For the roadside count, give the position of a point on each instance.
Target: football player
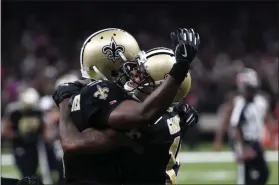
(103, 104)
(249, 114)
(157, 164)
(24, 126)
(100, 59)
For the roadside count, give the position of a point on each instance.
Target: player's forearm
(131, 114)
(237, 135)
(96, 140)
(67, 131)
(219, 135)
(160, 100)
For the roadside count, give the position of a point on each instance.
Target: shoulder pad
(83, 83)
(102, 90)
(99, 98)
(64, 91)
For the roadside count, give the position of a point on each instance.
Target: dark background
(41, 41)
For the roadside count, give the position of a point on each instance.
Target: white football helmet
(248, 77)
(29, 97)
(104, 52)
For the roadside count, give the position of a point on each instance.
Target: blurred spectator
(41, 45)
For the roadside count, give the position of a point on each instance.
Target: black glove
(186, 44)
(189, 116)
(64, 91)
(67, 90)
(29, 181)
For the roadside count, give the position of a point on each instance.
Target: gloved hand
(186, 43)
(189, 116)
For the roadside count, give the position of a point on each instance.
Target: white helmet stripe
(159, 50)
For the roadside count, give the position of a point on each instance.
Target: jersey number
(174, 148)
(174, 127)
(173, 124)
(28, 124)
(76, 103)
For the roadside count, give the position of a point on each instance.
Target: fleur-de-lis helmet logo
(112, 50)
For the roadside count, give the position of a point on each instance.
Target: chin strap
(99, 73)
(134, 96)
(127, 87)
(84, 73)
(131, 91)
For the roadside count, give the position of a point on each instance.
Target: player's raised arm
(130, 114)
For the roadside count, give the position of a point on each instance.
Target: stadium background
(41, 41)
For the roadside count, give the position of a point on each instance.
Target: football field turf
(196, 168)
(216, 173)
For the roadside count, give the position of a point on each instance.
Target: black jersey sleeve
(64, 91)
(98, 99)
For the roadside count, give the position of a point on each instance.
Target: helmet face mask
(132, 76)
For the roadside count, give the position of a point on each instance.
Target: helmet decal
(112, 50)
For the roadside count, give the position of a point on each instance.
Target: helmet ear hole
(102, 37)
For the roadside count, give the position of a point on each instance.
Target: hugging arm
(97, 140)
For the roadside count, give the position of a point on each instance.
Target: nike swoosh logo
(185, 52)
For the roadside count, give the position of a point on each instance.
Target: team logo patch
(101, 93)
(112, 50)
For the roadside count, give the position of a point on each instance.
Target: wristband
(179, 71)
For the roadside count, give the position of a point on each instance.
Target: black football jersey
(96, 101)
(157, 164)
(91, 108)
(26, 122)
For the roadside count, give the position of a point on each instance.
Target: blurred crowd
(42, 41)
